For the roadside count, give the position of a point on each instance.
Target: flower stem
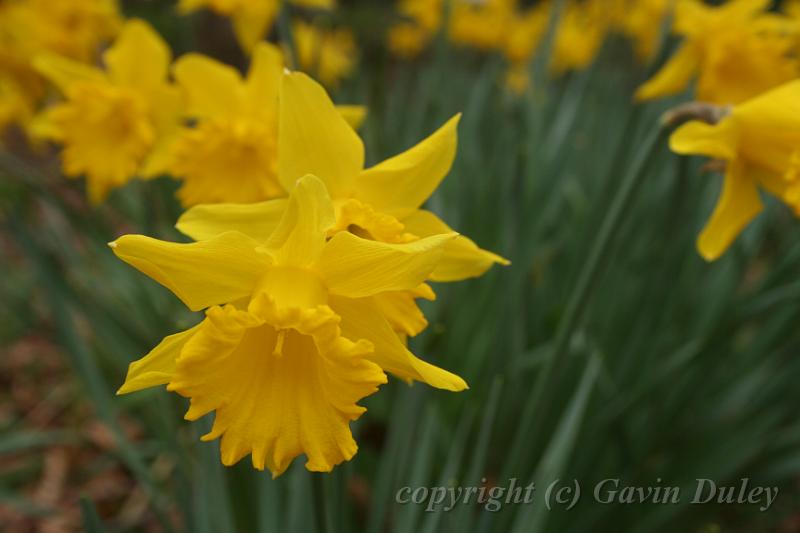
(539, 402)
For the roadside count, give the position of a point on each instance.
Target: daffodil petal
(315, 139)
(257, 221)
(719, 141)
(219, 270)
(738, 204)
(252, 23)
(673, 77)
(158, 366)
(63, 72)
(401, 311)
(211, 88)
(462, 258)
(403, 183)
(353, 114)
(362, 319)
(300, 236)
(139, 58)
(356, 267)
(264, 79)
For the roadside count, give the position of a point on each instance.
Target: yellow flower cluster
(507, 27)
(308, 299)
(75, 29)
(140, 115)
(745, 61)
(308, 265)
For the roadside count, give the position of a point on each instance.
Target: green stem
(318, 495)
(539, 402)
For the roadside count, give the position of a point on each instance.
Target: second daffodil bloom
(381, 203)
(736, 50)
(759, 141)
(118, 123)
(293, 337)
(230, 152)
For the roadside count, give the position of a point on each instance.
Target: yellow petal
(401, 311)
(300, 236)
(737, 206)
(462, 258)
(264, 80)
(279, 391)
(139, 58)
(315, 139)
(356, 267)
(257, 221)
(353, 114)
(211, 88)
(63, 72)
(403, 183)
(673, 77)
(158, 366)
(252, 23)
(695, 137)
(220, 270)
(361, 319)
(42, 126)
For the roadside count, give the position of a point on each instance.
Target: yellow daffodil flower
(293, 336)
(330, 55)
(760, 143)
(736, 50)
(420, 20)
(382, 202)
(522, 37)
(641, 21)
(74, 29)
(482, 25)
(252, 19)
(230, 153)
(118, 123)
(581, 31)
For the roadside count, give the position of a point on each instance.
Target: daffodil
(118, 123)
(735, 50)
(759, 142)
(229, 154)
(330, 55)
(523, 34)
(75, 29)
(293, 335)
(420, 20)
(252, 19)
(641, 21)
(381, 203)
(581, 31)
(483, 24)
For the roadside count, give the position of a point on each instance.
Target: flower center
(227, 160)
(362, 220)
